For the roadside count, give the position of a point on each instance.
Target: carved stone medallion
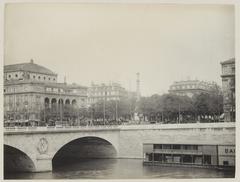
(42, 146)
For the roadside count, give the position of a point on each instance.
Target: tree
(215, 102)
(201, 104)
(145, 107)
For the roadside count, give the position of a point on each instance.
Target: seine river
(120, 169)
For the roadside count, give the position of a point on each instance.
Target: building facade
(112, 91)
(190, 87)
(228, 85)
(30, 89)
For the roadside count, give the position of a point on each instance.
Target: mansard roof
(30, 67)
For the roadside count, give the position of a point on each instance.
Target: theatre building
(30, 89)
(216, 156)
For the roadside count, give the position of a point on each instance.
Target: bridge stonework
(41, 144)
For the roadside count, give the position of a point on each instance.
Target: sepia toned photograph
(119, 91)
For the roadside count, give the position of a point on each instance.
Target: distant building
(228, 85)
(112, 91)
(190, 87)
(30, 89)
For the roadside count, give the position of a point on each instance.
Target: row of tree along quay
(169, 108)
(166, 108)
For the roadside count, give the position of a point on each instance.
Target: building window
(39, 77)
(4, 90)
(16, 75)
(49, 79)
(34, 76)
(9, 76)
(44, 78)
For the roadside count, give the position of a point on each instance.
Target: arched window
(74, 103)
(67, 102)
(54, 103)
(46, 102)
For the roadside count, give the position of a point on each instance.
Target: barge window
(190, 147)
(195, 147)
(187, 159)
(207, 159)
(167, 146)
(157, 146)
(225, 163)
(177, 147)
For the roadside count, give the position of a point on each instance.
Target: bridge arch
(16, 160)
(86, 147)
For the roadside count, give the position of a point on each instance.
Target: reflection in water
(119, 169)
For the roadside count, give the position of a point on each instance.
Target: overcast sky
(112, 42)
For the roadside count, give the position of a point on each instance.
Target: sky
(105, 43)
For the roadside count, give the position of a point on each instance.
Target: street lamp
(178, 113)
(14, 106)
(104, 106)
(116, 109)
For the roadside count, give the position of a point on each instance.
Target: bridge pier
(43, 163)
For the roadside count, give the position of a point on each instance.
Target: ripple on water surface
(120, 169)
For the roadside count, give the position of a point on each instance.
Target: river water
(119, 169)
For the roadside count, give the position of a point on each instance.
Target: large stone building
(30, 89)
(112, 91)
(228, 85)
(190, 87)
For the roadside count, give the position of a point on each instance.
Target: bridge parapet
(229, 125)
(11, 130)
(193, 127)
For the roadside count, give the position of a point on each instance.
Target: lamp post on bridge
(179, 113)
(116, 109)
(104, 106)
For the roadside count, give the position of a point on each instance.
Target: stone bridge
(41, 146)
